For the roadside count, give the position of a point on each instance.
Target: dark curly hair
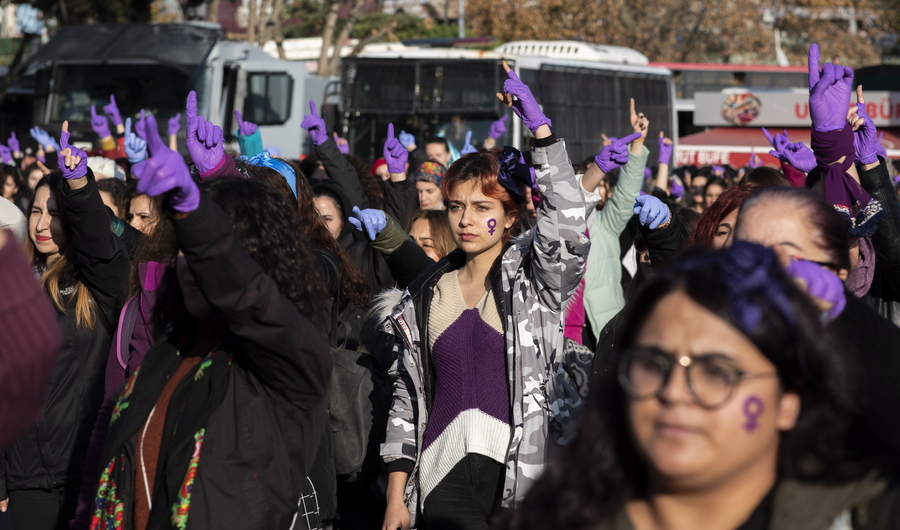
(593, 478)
(271, 236)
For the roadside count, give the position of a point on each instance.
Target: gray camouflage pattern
(540, 272)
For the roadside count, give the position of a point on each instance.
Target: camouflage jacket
(537, 273)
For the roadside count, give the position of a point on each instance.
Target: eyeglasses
(711, 378)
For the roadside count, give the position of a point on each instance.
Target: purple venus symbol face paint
(492, 226)
(753, 408)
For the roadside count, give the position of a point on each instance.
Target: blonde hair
(85, 305)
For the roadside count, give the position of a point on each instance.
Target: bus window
(269, 98)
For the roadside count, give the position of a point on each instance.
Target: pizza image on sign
(741, 109)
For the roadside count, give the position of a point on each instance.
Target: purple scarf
(842, 190)
(860, 280)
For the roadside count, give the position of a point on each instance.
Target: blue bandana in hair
(282, 167)
(513, 172)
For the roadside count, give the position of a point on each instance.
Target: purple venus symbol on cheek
(753, 408)
(492, 226)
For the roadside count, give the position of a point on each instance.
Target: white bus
(584, 88)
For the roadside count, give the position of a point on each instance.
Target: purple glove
(779, 141)
(174, 124)
(99, 123)
(615, 154)
(797, 155)
(498, 128)
(5, 154)
(755, 161)
(468, 147)
(79, 157)
(829, 93)
(665, 150)
(205, 141)
(14, 143)
(245, 128)
(315, 125)
(395, 153)
(113, 111)
(43, 138)
(165, 173)
(135, 146)
(865, 139)
(675, 188)
(879, 147)
(718, 171)
(524, 104)
(821, 284)
(373, 220)
(407, 139)
(342, 144)
(648, 173)
(651, 211)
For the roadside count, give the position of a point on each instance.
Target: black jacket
(52, 453)
(252, 413)
(884, 294)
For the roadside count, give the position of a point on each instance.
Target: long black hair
(267, 226)
(601, 470)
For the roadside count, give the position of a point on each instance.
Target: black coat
(884, 294)
(52, 453)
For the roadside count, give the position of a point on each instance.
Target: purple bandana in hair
(842, 190)
(513, 172)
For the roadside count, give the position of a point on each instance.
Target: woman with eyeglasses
(728, 408)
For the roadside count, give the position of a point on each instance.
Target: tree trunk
(328, 37)
(213, 15)
(251, 21)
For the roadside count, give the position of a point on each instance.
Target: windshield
(158, 89)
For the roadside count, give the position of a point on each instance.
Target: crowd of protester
(451, 336)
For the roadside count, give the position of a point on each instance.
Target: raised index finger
(633, 113)
(64, 135)
(859, 95)
(768, 135)
(631, 137)
(93, 111)
(191, 108)
(390, 131)
(127, 127)
(312, 107)
(510, 72)
(813, 59)
(154, 142)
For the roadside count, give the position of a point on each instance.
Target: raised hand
(205, 141)
(718, 171)
(395, 153)
(498, 128)
(407, 140)
(615, 154)
(135, 146)
(372, 220)
(113, 111)
(174, 124)
(43, 138)
(797, 155)
(468, 147)
(315, 125)
(676, 190)
(651, 211)
(99, 123)
(821, 284)
(72, 161)
(140, 128)
(665, 149)
(342, 144)
(165, 173)
(517, 96)
(6, 154)
(14, 143)
(829, 93)
(865, 137)
(245, 128)
(779, 140)
(639, 123)
(755, 161)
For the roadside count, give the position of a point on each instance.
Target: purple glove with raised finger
(135, 146)
(174, 124)
(165, 173)
(524, 104)
(315, 125)
(371, 219)
(99, 123)
(865, 139)
(822, 284)
(342, 144)
(797, 155)
(78, 159)
(407, 139)
(245, 128)
(665, 149)
(498, 128)
(468, 147)
(205, 141)
(14, 143)
(829, 93)
(615, 154)
(395, 153)
(779, 140)
(6, 154)
(112, 110)
(755, 161)
(675, 188)
(651, 211)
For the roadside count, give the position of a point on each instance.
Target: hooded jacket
(532, 281)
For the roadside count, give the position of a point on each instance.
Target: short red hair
(731, 199)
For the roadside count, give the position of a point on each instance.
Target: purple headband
(841, 190)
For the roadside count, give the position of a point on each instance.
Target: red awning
(733, 145)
